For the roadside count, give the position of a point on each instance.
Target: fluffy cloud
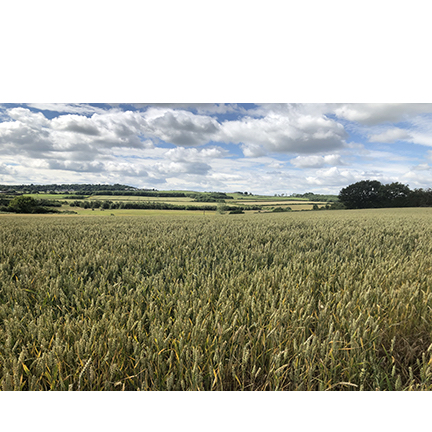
(33, 133)
(375, 113)
(332, 176)
(390, 136)
(182, 154)
(180, 127)
(27, 117)
(422, 167)
(69, 108)
(421, 138)
(6, 169)
(173, 169)
(21, 137)
(396, 134)
(278, 133)
(200, 108)
(76, 124)
(274, 132)
(253, 150)
(316, 161)
(417, 178)
(76, 166)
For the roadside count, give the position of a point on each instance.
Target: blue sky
(260, 148)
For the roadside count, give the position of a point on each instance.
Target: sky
(275, 148)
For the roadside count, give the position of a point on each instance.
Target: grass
(336, 300)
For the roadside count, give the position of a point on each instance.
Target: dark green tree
(363, 194)
(394, 195)
(420, 198)
(23, 204)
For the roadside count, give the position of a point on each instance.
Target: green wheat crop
(335, 300)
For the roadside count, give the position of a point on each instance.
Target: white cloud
(391, 135)
(65, 107)
(422, 167)
(397, 134)
(172, 169)
(316, 161)
(28, 117)
(333, 176)
(253, 150)
(36, 135)
(182, 154)
(77, 166)
(76, 124)
(6, 169)
(421, 138)
(23, 137)
(200, 108)
(180, 127)
(417, 178)
(376, 113)
(277, 133)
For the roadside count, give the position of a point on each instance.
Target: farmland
(186, 202)
(331, 300)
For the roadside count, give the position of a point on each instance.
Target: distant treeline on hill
(79, 191)
(316, 197)
(84, 189)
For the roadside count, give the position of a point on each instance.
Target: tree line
(374, 194)
(85, 189)
(315, 197)
(151, 205)
(25, 204)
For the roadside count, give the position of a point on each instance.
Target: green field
(331, 300)
(266, 203)
(238, 199)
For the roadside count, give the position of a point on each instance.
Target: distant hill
(83, 189)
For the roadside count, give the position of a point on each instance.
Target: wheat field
(331, 300)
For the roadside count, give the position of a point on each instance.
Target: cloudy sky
(260, 148)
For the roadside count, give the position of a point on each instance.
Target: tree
(394, 195)
(420, 198)
(23, 204)
(363, 194)
(221, 208)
